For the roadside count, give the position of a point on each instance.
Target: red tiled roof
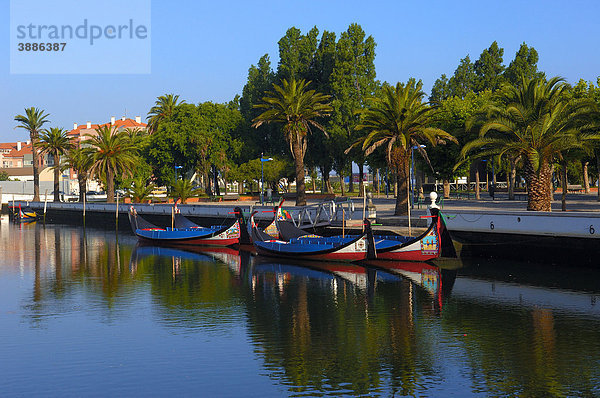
(25, 150)
(127, 123)
(8, 145)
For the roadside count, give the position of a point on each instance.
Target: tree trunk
(82, 186)
(598, 168)
(36, 168)
(341, 175)
(538, 185)
(216, 176)
(56, 178)
(110, 186)
(477, 190)
(361, 174)
(376, 178)
(512, 179)
(351, 180)
(564, 183)
(299, 163)
(586, 178)
(446, 188)
(403, 176)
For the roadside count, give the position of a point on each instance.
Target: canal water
(92, 313)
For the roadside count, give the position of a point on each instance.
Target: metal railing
(322, 214)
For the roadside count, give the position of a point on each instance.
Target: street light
(262, 176)
(177, 167)
(412, 174)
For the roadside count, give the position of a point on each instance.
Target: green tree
(440, 90)
(55, 142)
(182, 190)
(162, 109)
(4, 176)
(80, 160)
(400, 120)
(296, 53)
(464, 79)
(295, 107)
(141, 188)
(352, 82)
(452, 116)
(523, 65)
(266, 138)
(33, 121)
(489, 68)
(113, 153)
(537, 122)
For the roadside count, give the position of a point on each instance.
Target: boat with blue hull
(185, 232)
(424, 247)
(312, 247)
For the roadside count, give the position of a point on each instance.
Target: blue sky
(202, 50)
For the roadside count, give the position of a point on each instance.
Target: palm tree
(113, 152)
(296, 108)
(55, 142)
(140, 189)
(80, 160)
(163, 108)
(182, 190)
(400, 120)
(33, 121)
(536, 122)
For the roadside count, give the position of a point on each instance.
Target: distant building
(80, 131)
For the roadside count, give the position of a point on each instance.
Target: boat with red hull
(185, 232)
(424, 247)
(311, 247)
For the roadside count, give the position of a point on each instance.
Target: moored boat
(313, 247)
(185, 232)
(424, 247)
(22, 214)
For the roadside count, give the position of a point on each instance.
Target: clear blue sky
(202, 50)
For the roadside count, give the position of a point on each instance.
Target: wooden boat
(185, 232)
(312, 247)
(424, 247)
(22, 214)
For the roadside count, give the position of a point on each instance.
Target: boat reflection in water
(197, 319)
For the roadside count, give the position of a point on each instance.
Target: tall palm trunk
(446, 185)
(564, 184)
(477, 180)
(56, 157)
(512, 179)
(82, 186)
(36, 167)
(361, 174)
(598, 168)
(110, 186)
(586, 178)
(299, 164)
(538, 186)
(403, 176)
(341, 175)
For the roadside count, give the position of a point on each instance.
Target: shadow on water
(380, 328)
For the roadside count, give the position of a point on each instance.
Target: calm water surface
(94, 314)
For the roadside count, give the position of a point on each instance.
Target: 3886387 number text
(41, 46)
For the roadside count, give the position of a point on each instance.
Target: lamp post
(412, 174)
(177, 167)
(262, 176)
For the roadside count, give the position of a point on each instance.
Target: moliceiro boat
(22, 214)
(424, 247)
(185, 232)
(312, 247)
